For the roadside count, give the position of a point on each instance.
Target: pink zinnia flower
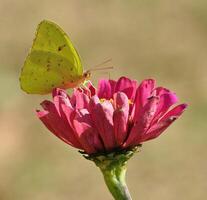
(118, 115)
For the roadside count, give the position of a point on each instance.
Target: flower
(109, 123)
(118, 115)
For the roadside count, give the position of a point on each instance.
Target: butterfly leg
(84, 87)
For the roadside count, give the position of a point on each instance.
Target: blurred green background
(163, 39)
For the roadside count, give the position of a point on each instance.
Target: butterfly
(52, 62)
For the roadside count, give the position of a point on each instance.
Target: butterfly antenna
(100, 64)
(102, 68)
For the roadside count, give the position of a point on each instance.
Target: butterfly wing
(52, 61)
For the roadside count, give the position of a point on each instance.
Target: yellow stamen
(130, 102)
(102, 100)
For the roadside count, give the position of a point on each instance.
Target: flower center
(130, 102)
(103, 100)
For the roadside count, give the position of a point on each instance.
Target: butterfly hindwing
(43, 71)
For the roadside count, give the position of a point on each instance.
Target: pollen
(130, 102)
(103, 100)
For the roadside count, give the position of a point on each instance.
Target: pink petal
(68, 114)
(120, 117)
(142, 123)
(123, 83)
(91, 88)
(73, 99)
(160, 91)
(121, 101)
(102, 116)
(82, 100)
(144, 91)
(43, 116)
(104, 89)
(59, 100)
(156, 130)
(88, 136)
(60, 97)
(113, 85)
(85, 90)
(166, 101)
(168, 119)
(58, 126)
(59, 92)
(60, 119)
(120, 126)
(175, 112)
(92, 103)
(49, 106)
(127, 86)
(88, 89)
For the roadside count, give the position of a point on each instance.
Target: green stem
(113, 167)
(115, 181)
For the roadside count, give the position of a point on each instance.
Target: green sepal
(106, 160)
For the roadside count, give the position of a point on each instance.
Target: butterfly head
(87, 75)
